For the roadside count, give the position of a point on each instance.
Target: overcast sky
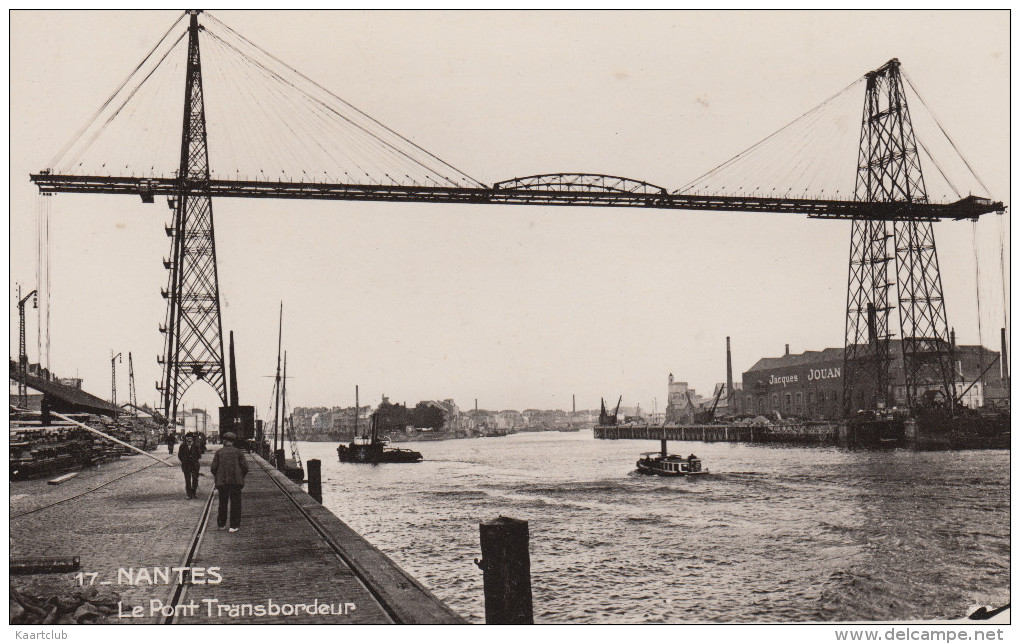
(515, 306)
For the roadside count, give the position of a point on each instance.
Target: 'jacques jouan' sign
(812, 374)
(823, 374)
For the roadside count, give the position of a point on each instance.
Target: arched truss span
(602, 183)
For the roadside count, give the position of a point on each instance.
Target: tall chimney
(476, 404)
(1004, 358)
(787, 349)
(573, 397)
(232, 400)
(872, 325)
(729, 370)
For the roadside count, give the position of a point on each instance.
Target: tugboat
(372, 449)
(664, 464)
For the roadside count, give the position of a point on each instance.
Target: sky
(516, 306)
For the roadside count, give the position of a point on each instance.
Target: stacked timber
(42, 450)
(89, 605)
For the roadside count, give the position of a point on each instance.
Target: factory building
(809, 385)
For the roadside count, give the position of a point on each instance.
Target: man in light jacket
(229, 468)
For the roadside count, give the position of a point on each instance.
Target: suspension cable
(88, 124)
(988, 193)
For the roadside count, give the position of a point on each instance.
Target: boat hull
(670, 466)
(652, 471)
(376, 453)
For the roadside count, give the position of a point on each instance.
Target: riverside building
(809, 385)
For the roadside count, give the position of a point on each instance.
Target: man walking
(190, 453)
(171, 440)
(229, 467)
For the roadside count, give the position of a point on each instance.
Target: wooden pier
(292, 562)
(810, 433)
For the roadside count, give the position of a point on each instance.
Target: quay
(149, 555)
(813, 433)
(964, 433)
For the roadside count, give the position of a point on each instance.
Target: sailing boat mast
(276, 401)
(357, 411)
(283, 403)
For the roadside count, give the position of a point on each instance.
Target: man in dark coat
(229, 468)
(171, 440)
(190, 453)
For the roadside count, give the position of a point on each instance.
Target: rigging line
(261, 69)
(53, 162)
(276, 145)
(282, 116)
(799, 139)
(463, 174)
(245, 142)
(1003, 273)
(318, 106)
(38, 274)
(377, 138)
(939, 168)
(988, 192)
(767, 138)
(790, 146)
(418, 164)
(977, 280)
(49, 264)
(268, 78)
(256, 145)
(126, 100)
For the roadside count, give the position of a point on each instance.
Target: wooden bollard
(280, 458)
(506, 571)
(315, 479)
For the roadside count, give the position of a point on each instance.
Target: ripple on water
(771, 535)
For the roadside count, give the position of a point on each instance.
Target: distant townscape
(430, 420)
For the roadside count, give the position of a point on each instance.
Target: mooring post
(506, 571)
(280, 457)
(315, 479)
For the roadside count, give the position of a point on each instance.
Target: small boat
(372, 449)
(662, 463)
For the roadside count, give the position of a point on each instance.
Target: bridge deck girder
(147, 188)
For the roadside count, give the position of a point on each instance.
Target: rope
(39, 274)
(770, 137)
(320, 87)
(1003, 274)
(387, 146)
(49, 264)
(977, 286)
(988, 193)
(88, 124)
(131, 95)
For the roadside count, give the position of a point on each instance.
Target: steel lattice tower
(193, 349)
(899, 253)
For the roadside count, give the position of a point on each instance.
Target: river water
(771, 535)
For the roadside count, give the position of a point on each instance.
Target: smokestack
(787, 349)
(872, 325)
(232, 400)
(1004, 358)
(573, 397)
(729, 369)
(476, 404)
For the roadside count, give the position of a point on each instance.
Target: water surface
(771, 535)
